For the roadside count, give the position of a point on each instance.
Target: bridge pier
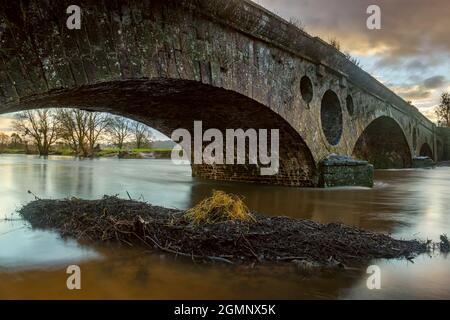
(293, 177)
(334, 171)
(342, 171)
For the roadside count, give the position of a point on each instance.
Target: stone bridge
(229, 63)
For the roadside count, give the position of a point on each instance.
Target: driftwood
(267, 239)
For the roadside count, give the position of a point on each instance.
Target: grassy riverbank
(135, 153)
(103, 153)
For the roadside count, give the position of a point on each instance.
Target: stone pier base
(295, 177)
(339, 171)
(423, 162)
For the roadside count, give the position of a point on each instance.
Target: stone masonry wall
(230, 63)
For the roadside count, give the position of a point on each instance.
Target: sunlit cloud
(413, 93)
(6, 123)
(411, 52)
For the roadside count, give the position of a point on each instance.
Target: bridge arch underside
(426, 151)
(384, 145)
(169, 104)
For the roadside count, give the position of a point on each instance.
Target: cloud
(5, 123)
(434, 82)
(413, 93)
(389, 61)
(413, 41)
(430, 113)
(409, 27)
(423, 90)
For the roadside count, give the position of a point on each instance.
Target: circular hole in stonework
(350, 105)
(331, 117)
(306, 89)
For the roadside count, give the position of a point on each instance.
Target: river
(405, 203)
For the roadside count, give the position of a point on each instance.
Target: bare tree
(4, 140)
(297, 22)
(352, 59)
(40, 126)
(15, 140)
(443, 110)
(119, 130)
(335, 43)
(72, 130)
(96, 125)
(81, 130)
(142, 134)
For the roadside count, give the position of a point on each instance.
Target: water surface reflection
(405, 203)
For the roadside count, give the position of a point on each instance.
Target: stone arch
(383, 143)
(169, 104)
(426, 151)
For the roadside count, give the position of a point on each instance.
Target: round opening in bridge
(350, 105)
(306, 89)
(331, 117)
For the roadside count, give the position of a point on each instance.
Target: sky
(410, 54)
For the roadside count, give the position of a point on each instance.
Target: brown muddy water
(405, 203)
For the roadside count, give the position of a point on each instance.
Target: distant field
(110, 152)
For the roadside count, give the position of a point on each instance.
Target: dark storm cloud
(418, 65)
(424, 90)
(389, 60)
(434, 82)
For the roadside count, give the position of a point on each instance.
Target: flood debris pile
(220, 229)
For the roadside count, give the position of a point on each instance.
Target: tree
(443, 110)
(40, 126)
(4, 140)
(72, 130)
(97, 125)
(335, 43)
(119, 129)
(15, 140)
(142, 134)
(81, 130)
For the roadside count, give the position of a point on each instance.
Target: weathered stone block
(423, 162)
(339, 171)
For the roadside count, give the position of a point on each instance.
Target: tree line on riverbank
(75, 132)
(443, 110)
